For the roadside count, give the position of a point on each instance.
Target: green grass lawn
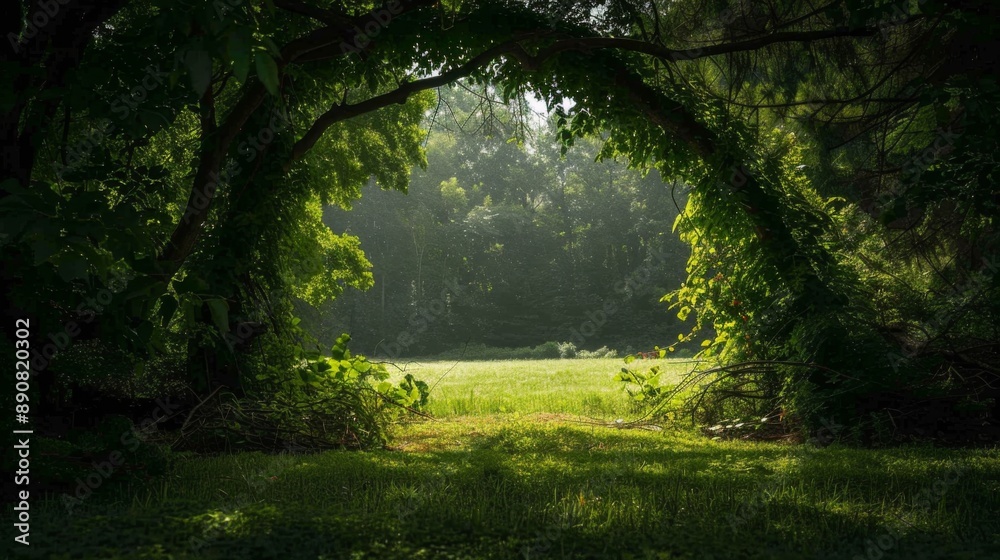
(510, 470)
(578, 387)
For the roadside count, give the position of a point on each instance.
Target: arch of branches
(184, 147)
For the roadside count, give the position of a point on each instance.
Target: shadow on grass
(552, 492)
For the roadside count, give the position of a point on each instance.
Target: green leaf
(13, 187)
(43, 250)
(71, 266)
(144, 332)
(271, 46)
(267, 71)
(156, 341)
(219, 309)
(188, 309)
(144, 265)
(677, 222)
(168, 306)
(239, 52)
(13, 224)
(141, 286)
(199, 64)
(191, 285)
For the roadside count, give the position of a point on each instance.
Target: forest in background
(510, 241)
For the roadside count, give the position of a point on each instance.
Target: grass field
(579, 387)
(508, 471)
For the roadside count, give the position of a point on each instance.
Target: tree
(256, 131)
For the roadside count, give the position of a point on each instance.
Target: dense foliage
(166, 164)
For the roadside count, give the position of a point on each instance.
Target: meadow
(575, 387)
(515, 465)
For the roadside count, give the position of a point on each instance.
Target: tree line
(509, 242)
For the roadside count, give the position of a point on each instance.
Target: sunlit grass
(577, 386)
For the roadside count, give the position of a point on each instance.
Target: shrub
(567, 350)
(482, 352)
(602, 352)
(336, 401)
(643, 388)
(549, 350)
(546, 351)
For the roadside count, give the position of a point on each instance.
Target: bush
(643, 388)
(567, 350)
(325, 402)
(546, 351)
(602, 352)
(549, 350)
(481, 352)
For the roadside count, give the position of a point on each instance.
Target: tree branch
(674, 55)
(183, 239)
(185, 235)
(328, 17)
(319, 41)
(342, 112)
